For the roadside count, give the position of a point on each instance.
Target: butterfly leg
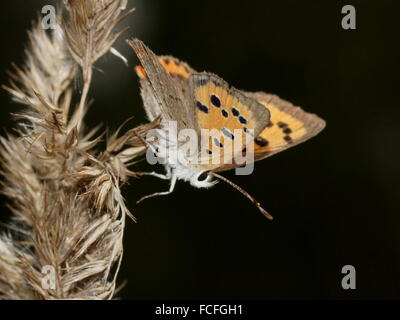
(166, 176)
(171, 189)
(155, 174)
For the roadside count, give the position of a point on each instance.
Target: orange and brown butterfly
(172, 89)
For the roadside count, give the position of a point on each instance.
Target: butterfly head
(202, 180)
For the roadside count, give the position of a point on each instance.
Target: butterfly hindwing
(289, 126)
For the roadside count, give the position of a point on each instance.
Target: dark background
(335, 198)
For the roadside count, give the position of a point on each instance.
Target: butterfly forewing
(227, 111)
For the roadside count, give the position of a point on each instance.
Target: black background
(335, 198)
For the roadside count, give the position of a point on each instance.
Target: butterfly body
(258, 124)
(167, 151)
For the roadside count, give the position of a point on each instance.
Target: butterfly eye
(203, 176)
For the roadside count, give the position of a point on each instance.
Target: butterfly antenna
(245, 193)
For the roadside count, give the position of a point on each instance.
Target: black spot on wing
(227, 133)
(202, 107)
(242, 120)
(282, 124)
(224, 113)
(288, 139)
(215, 100)
(235, 112)
(202, 81)
(245, 129)
(261, 141)
(217, 83)
(218, 143)
(287, 130)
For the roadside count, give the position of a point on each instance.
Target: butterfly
(200, 101)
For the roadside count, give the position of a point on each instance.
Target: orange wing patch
(172, 65)
(230, 118)
(219, 109)
(141, 72)
(283, 130)
(219, 112)
(175, 67)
